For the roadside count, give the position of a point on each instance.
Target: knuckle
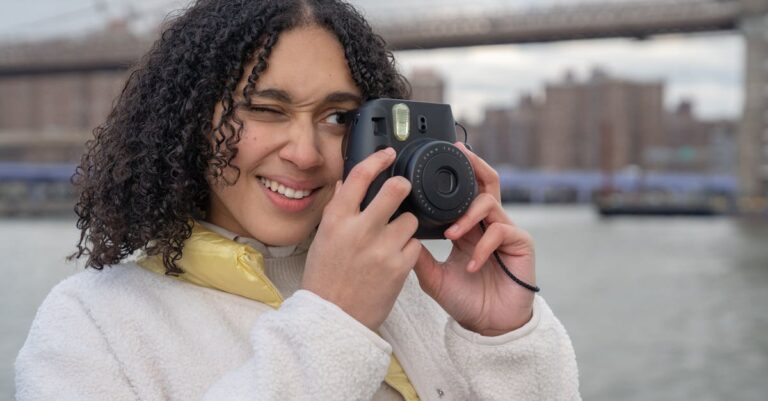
(402, 185)
(497, 228)
(361, 172)
(486, 199)
(410, 218)
(493, 175)
(405, 184)
(381, 159)
(411, 222)
(415, 245)
(404, 262)
(381, 255)
(397, 187)
(526, 237)
(382, 156)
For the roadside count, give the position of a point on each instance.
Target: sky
(705, 68)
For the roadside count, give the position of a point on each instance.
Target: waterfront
(657, 308)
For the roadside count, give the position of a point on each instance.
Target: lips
(288, 195)
(282, 189)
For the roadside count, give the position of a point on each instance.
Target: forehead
(308, 63)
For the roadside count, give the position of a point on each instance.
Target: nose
(302, 148)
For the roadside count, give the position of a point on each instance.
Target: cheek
(253, 146)
(333, 157)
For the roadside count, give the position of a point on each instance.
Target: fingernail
(453, 229)
(338, 187)
(471, 266)
(389, 151)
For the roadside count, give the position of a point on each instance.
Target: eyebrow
(283, 96)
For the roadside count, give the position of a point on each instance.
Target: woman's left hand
(469, 285)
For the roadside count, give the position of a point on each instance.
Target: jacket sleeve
(309, 349)
(55, 365)
(534, 362)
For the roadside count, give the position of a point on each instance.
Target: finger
(401, 230)
(328, 210)
(353, 189)
(510, 240)
(411, 252)
(484, 208)
(428, 272)
(487, 177)
(388, 199)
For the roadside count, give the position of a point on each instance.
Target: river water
(657, 309)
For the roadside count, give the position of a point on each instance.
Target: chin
(292, 236)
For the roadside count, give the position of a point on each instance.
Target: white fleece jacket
(129, 334)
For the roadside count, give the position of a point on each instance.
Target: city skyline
(601, 122)
(498, 75)
(89, 96)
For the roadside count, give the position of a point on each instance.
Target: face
(289, 153)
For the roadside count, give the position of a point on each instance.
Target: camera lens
(443, 183)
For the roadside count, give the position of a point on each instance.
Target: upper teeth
(283, 190)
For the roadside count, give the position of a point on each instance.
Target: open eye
(339, 117)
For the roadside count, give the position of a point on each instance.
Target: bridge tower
(753, 136)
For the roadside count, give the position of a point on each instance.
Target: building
(54, 93)
(509, 134)
(606, 124)
(603, 123)
(427, 86)
(692, 144)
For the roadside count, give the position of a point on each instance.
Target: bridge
(638, 19)
(429, 27)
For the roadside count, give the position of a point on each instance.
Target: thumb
(428, 272)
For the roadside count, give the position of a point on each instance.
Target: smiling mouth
(291, 193)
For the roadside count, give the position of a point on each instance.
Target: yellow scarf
(240, 270)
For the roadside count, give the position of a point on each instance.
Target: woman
(213, 194)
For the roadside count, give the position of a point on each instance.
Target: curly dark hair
(142, 179)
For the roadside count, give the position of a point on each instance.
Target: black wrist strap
(482, 227)
(509, 273)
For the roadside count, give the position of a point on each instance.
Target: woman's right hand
(360, 260)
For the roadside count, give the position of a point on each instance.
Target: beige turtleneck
(284, 266)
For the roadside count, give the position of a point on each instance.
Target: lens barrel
(442, 179)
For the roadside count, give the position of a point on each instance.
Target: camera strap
(482, 227)
(509, 273)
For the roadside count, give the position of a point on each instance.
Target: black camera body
(422, 134)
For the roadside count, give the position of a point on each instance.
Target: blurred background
(631, 139)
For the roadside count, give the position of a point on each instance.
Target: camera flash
(402, 116)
